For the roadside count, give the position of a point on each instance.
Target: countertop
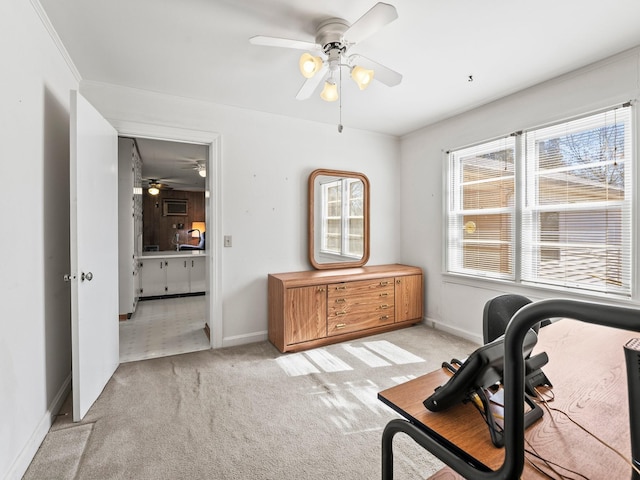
(172, 254)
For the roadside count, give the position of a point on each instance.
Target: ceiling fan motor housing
(330, 35)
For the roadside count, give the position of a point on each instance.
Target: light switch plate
(227, 240)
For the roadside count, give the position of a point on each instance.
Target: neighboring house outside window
(548, 206)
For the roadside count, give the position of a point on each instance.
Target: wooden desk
(587, 369)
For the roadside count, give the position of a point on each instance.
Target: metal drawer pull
(341, 325)
(384, 306)
(384, 284)
(341, 287)
(385, 294)
(321, 289)
(384, 317)
(340, 300)
(341, 313)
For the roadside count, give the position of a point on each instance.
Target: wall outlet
(227, 240)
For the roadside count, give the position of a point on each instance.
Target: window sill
(537, 291)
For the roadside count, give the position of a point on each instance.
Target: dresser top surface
(345, 274)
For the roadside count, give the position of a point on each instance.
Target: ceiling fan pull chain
(340, 104)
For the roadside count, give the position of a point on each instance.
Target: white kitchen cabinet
(129, 224)
(197, 274)
(177, 275)
(153, 277)
(163, 273)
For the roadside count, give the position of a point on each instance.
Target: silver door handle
(88, 276)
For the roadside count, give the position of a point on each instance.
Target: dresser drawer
(380, 286)
(353, 322)
(359, 305)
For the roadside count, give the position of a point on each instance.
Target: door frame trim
(213, 202)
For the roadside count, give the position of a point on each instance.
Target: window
(482, 209)
(550, 206)
(343, 210)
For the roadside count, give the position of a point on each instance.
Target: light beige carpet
(250, 412)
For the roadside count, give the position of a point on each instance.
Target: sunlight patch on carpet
(326, 361)
(392, 352)
(403, 378)
(296, 364)
(371, 354)
(347, 405)
(366, 356)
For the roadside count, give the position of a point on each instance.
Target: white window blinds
(481, 209)
(551, 207)
(576, 221)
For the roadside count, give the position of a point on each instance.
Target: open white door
(94, 253)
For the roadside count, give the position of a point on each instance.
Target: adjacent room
(264, 235)
(161, 226)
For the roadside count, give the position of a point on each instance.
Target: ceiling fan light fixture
(153, 190)
(202, 170)
(361, 76)
(330, 91)
(309, 65)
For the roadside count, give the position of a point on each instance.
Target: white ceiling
(200, 49)
(172, 163)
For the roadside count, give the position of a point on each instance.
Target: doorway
(162, 314)
(163, 229)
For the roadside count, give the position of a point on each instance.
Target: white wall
(452, 303)
(35, 330)
(266, 160)
(265, 164)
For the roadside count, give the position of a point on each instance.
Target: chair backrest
(497, 313)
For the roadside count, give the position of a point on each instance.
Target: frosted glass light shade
(361, 76)
(309, 65)
(153, 190)
(329, 92)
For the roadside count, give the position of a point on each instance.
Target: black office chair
(496, 316)
(497, 313)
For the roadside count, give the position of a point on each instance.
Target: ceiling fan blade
(283, 42)
(311, 84)
(383, 74)
(377, 17)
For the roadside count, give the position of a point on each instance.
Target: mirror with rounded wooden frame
(338, 219)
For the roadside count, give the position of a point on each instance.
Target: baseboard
(244, 339)
(458, 332)
(23, 460)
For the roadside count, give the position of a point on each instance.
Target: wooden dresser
(314, 308)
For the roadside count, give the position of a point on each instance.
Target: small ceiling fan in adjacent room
(154, 186)
(197, 165)
(331, 53)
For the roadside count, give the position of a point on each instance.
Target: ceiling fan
(334, 38)
(154, 186)
(199, 166)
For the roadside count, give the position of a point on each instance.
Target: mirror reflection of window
(343, 217)
(338, 219)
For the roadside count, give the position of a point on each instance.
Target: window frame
(343, 186)
(522, 182)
